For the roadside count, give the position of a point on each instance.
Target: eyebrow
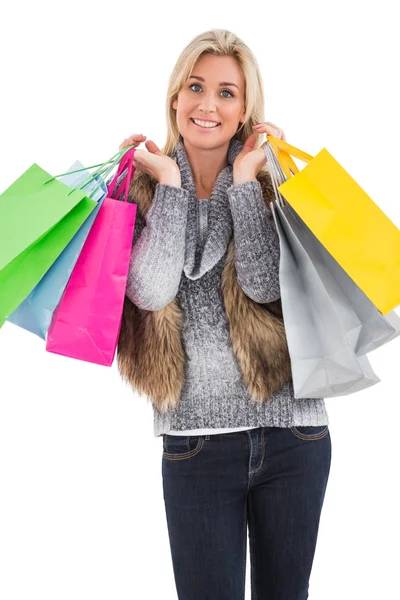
(222, 82)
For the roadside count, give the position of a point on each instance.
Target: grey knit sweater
(180, 252)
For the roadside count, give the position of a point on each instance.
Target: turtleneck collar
(201, 257)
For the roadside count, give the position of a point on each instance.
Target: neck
(206, 164)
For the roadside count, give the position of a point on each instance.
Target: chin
(201, 141)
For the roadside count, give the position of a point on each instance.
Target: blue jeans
(271, 480)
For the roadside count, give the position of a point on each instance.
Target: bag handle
(103, 175)
(126, 160)
(284, 153)
(85, 168)
(107, 167)
(278, 176)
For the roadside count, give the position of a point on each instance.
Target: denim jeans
(271, 480)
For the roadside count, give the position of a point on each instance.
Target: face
(203, 97)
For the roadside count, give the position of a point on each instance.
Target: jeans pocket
(310, 432)
(180, 447)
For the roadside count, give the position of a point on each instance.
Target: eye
(198, 85)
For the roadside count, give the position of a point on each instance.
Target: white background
(81, 503)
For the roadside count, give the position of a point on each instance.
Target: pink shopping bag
(87, 321)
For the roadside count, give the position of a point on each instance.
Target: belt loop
(207, 437)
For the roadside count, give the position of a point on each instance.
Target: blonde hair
(220, 42)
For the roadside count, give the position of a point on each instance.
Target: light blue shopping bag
(35, 313)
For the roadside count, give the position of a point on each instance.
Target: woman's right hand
(152, 161)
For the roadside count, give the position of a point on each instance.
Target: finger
(265, 128)
(133, 140)
(136, 137)
(152, 147)
(275, 131)
(280, 133)
(249, 143)
(128, 142)
(270, 128)
(266, 123)
(251, 139)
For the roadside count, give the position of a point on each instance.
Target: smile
(205, 127)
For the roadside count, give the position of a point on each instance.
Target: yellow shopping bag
(354, 230)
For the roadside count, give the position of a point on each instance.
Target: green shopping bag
(39, 216)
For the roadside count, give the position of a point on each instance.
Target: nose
(208, 104)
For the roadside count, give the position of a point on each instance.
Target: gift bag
(354, 230)
(365, 326)
(87, 321)
(323, 362)
(38, 219)
(35, 312)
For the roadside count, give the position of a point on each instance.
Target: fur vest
(150, 353)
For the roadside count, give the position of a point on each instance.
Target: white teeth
(205, 123)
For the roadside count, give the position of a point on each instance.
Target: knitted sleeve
(257, 250)
(158, 249)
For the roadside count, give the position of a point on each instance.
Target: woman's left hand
(248, 162)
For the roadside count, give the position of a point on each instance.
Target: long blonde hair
(220, 42)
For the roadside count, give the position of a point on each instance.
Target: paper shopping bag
(365, 326)
(87, 321)
(354, 230)
(35, 312)
(37, 220)
(322, 360)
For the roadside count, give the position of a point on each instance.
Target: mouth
(205, 128)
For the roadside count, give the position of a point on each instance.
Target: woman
(203, 337)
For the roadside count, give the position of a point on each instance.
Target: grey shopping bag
(323, 360)
(366, 326)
